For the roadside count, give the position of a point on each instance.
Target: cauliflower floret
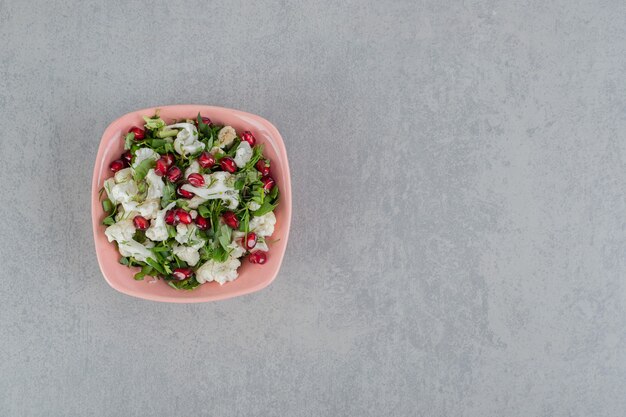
(187, 254)
(122, 232)
(243, 154)
(124, 192)
(142, 154)
(254, 206)
(186, 141)
(158, 229)
(217, 185)
(195, 201)
(261, 245)
(123, 175)
(235, 245)
(263, 225)
(108, 187)
(193, 168)
(226, 136)
(155, 185)
(186, 233)
(218, 271)
(148, 209)
(216, 150)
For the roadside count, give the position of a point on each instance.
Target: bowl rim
(182, 108)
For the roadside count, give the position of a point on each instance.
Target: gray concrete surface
(459, 234)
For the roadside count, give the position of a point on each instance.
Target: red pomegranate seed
(139, 133)
(263, 167)
(249, 241)
(257, 257)
(202, 222)
(174, 174)
(116, 165)
(228, 164)
(127, 157)
(141, 222)
(231, 219)
(169, 159)
(183, 216)
(206, 121)
(196, 180)
(248, 137)
(182, 273)
(268, 183)
(184, 193)
(206, 160)
(161, 167)
(170, 217)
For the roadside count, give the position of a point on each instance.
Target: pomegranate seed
(161, 167)
(257, 258)
(196, 180)
(206, 160)
(170, 217)
(169, 159)
(127, 157)
(139, 133)
(228, 164)
(249, 241)
(263, 167)
(248, 137)
(231, 220)
(116, 165)
(174, 174)
(184, 193)
(182, 274)
(268, 183)
(202, 223)
(141, 222)
(206, 121)
(183, 216)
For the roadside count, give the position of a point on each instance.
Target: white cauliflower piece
(235, 247)
(243, 154)
(263, 225)
(187, 233)
(186, 141)
(254, 206)
(217, 185)
(158, 229)
(193, 168)
(122, 232)
(218, 271)
(195, 201)
(261, 245)
(155, 185)
(226, 136)
(123, 175)
(187, 254)
(216, 150)
(144, 153)
(148, 209)
(124, 192)
(108, 187)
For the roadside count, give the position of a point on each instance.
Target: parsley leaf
(141, 170)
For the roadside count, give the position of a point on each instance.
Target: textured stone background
(458, 241)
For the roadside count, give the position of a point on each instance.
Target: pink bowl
(251, 277)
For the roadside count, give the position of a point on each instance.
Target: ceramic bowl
(251, 277)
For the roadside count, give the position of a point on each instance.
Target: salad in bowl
(189, 200)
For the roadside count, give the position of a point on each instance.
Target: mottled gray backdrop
(459, 228)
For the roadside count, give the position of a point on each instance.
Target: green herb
(154, 123)
(188, 284)
(108, 221)
(155, 265)
(268, 205)
(124, 260)
(141, 170)
(107, 205)
(169, 194)
(129, 139)
(244, 224)
(165, 134)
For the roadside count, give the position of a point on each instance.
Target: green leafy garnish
(154, 123)
(142, 169)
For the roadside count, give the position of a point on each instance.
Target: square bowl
(251, 277)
